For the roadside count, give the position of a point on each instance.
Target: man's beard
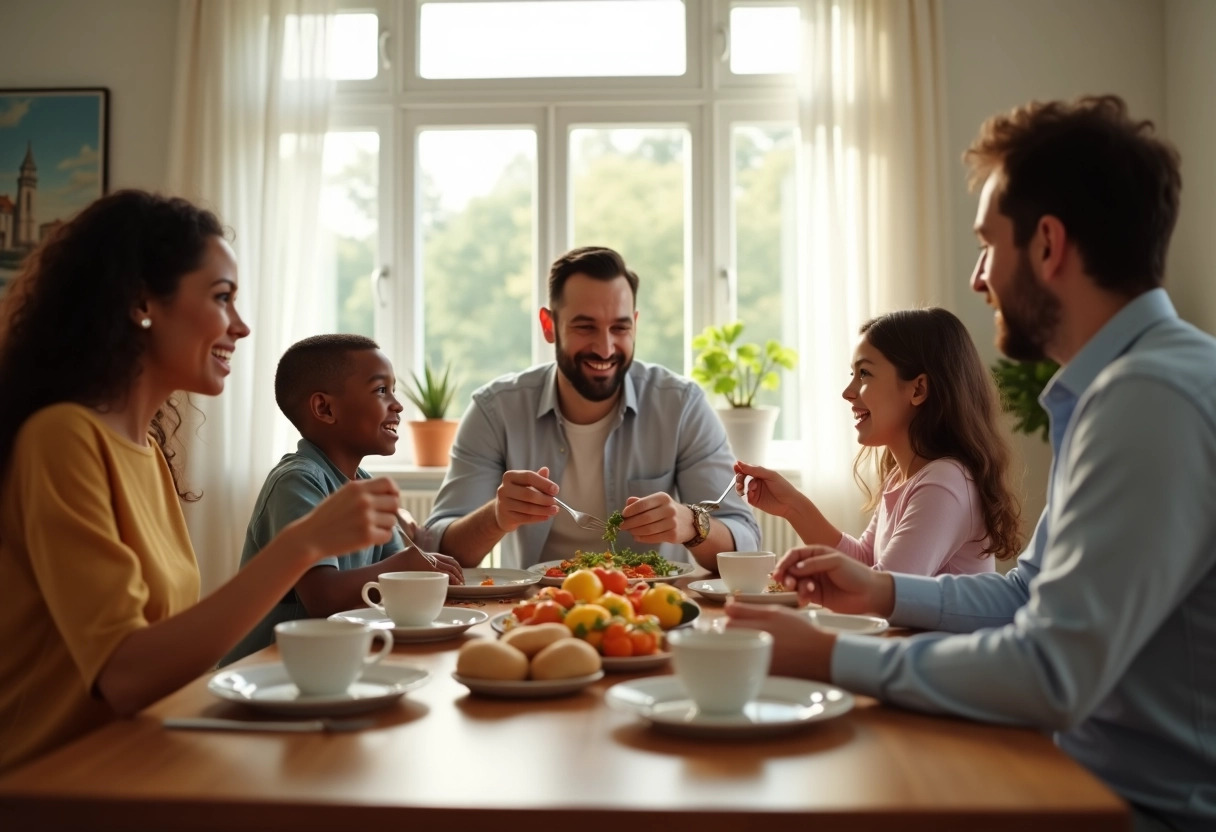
(1029, 316)
(591, 389)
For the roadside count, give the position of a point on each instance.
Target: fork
(714, 505)
(583, 520)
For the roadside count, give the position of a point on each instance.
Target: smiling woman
(132, 300)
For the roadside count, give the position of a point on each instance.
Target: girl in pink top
(925, 409)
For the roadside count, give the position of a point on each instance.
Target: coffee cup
(746, 571)
(411, 599)
(325, 657)
(721, 670)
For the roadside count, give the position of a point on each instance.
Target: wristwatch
(700, 520)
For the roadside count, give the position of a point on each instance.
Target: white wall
(1000, 54)
(1190, 116)
(125, 45)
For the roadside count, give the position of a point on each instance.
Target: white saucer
(682, 569)
(857, 625)
(506, 620)
(507, 583)
(782, 705)
(267, 687)
(451, 622)
(528, 689)
(715, 590)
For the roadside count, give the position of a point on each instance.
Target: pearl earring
(146, 323)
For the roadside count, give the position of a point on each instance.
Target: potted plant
(738, 372)
(433, 434)
(1020, 383)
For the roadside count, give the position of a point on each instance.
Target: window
(493, 136)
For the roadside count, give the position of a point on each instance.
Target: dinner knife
(203, 723)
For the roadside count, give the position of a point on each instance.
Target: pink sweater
(929, 525)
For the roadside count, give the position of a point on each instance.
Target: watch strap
(700, 521)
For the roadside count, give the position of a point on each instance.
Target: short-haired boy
(338, 392)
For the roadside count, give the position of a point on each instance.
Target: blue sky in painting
(64, 131)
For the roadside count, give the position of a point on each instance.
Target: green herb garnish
(611, 528)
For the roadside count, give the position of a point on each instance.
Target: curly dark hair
(958, 419)
(1104, 175)
(66, 333)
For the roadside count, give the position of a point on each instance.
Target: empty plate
(857, 625)
(451, 622)
(267, 687)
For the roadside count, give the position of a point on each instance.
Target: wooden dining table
(442, 758)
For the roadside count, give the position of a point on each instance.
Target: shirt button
(561, 450)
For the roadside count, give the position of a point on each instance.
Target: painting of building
(53, 149)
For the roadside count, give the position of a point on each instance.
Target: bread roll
(531, 639)
(565, 659)
(492, 660)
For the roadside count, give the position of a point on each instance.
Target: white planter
(749, 430)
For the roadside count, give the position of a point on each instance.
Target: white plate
(528, 689)
(782, 704)
(635, 664)
(857, 625)
(267, 687)
(499, 623)
(507, 583)
(682, 569)
(451, 622)
(715, 590)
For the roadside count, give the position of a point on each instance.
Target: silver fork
(583, 520)
(714, 505)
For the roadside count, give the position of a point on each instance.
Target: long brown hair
(958, 419)
(66, 333)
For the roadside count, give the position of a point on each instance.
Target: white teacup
(721, 670)
(324, 657)
(746, 571)
(411, 599)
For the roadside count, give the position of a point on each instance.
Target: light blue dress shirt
(666, 438)
(1105, 632)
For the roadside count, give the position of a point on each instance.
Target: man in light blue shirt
(1105, 632)
(606, 432)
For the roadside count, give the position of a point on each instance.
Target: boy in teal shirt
(338, 392)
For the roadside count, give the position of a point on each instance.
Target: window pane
(476, 207)
(354, 47)
(551, 38)
(765, 226)
(628, 193)
(350, 223)
(764, 39)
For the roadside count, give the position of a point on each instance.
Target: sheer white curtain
(250, 113)
(871, 115)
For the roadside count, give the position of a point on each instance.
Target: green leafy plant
(738, 371)
(1020, 383)
(432, 395)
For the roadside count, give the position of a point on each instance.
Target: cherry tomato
(561, 596)
(523, 612)
(644, 643)
(547, 611)
(614, 580)
(554, 572)
(616, 629)
(644, 570)
(620, 646)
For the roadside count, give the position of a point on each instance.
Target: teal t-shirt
(293, 488)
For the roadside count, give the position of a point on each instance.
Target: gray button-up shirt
(666, 438)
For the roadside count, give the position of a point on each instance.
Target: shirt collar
(1111, 341)
(309, 450)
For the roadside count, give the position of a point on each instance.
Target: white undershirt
(582, 488)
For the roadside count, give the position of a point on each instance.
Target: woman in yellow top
(130, 302)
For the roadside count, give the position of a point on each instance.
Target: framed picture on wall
(54, 147)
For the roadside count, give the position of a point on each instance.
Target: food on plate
(492, 660)
(635, 565)
(531, 640)
(616, 624)
(565, 659)
(775, 586)
(611, 528)
(488, 582)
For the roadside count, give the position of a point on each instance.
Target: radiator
(776, 535)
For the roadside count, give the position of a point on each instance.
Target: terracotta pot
(433, 441)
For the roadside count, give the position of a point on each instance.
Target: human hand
(524, 497)
(416, 560)
(766, 490)
(419, 535)
(799, 647)
(822, 575)
(657, 518)
(360, 514)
